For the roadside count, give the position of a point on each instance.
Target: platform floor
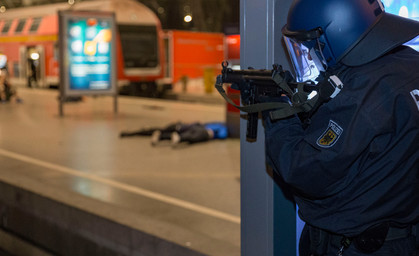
(189, 194)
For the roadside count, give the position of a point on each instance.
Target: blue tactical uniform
(354, 167)
(357, 164)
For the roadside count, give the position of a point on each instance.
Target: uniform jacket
(357, 163)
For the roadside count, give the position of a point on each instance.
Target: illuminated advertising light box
(87, 46)
(407, 9)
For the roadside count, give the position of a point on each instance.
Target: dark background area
(207, 15)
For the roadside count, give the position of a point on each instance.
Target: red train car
(29, 38)
(191, 54)
(233, 50)
(232, 113)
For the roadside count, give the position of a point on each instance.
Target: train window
(35, 24)
(6, 26)
(20, 26)
(139, 46)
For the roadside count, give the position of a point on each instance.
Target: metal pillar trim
(285, 220)
(267, 216)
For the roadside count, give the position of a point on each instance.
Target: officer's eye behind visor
(306, 55)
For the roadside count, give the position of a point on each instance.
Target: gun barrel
(250, 72)
(247, 75)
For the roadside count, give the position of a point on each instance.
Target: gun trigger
(235, 86)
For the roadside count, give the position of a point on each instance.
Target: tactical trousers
(317, 242)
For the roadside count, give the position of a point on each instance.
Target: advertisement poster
(89, 47)
(88, 52)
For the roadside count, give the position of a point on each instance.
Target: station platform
(71, 186)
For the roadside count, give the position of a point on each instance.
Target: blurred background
(205, 15)
(176, 55)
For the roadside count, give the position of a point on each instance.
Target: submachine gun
(261, 89)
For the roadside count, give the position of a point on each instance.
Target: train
(150, 60)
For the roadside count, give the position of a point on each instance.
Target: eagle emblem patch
(330, 136)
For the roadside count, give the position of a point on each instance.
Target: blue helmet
(352, 32)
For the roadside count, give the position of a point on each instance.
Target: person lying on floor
(182, 132)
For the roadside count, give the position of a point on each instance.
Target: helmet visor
(307, 58)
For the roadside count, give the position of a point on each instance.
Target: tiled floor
(189, 194)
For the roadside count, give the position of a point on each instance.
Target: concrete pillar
(267, 215)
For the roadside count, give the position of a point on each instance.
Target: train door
(40, 52)
(168, 52)
(33, 65)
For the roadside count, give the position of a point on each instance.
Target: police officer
(353, 164)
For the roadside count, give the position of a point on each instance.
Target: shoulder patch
(330, 136)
